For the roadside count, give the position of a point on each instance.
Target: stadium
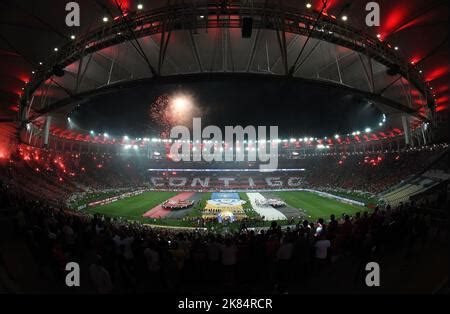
(215, 147)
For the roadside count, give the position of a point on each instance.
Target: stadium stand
(133, 257)
(418, 183)
(126, 257)
(56, 176)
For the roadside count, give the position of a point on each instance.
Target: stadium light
(55, 49)
(105, 19)
(380, 124)
(336, 136)
(105, 134)
(396, 48)
(367, 130)
(308, 5)
(91, 132)
(135, 147)
(378, 36)
(72, 37)
(140, 6)
(344, 18)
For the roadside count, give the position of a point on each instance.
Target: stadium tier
(224, 147)
(107, 184)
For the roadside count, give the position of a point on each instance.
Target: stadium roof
(31, 30)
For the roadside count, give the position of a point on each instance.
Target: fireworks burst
(168, 111)
(159, 114)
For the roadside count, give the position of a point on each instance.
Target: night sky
(298, 109)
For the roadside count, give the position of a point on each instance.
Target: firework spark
(168, 111)
(159, 115)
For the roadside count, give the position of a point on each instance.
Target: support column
(407, 131)
(423, 129)
(48, 122)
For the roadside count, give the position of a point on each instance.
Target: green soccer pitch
(317, 206)
(133, 207)
(310, 203)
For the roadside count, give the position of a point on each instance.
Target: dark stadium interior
(356, 175)
(243, 101)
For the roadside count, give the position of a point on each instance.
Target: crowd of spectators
(55, 176)
(129, 257)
